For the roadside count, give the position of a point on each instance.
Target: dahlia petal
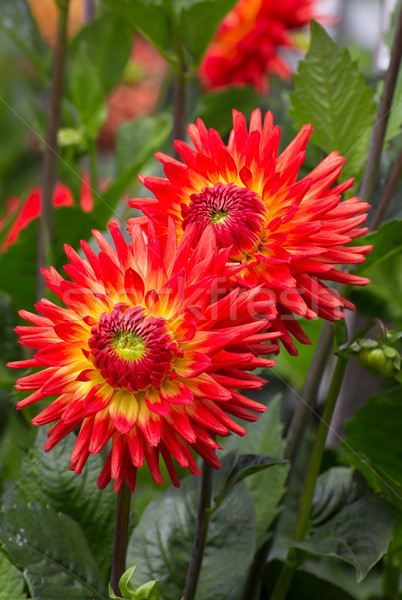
(156, 402)
(192, 364)
(152, 458)
(151, 425)
(169, 465)
(176, 392)
(98, 398)
(81, 445)
(178, 419)
(135, 442)
(102, 431)
(134, 286)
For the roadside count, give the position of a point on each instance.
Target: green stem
(180, 102)
(93, 167)
(390, 583)
(120, 536)
(303, 517)
(45, 235)
(201, 531)
(180, 79)
(309, 391)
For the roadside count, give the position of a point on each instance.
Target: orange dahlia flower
(245, 47)
(144, 354)
(25, 213)
(286, 234)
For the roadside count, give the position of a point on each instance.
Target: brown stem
(388, 193)
(120, 536)
(384, 108)
(45, 235)
(180, 103)
(200, 537)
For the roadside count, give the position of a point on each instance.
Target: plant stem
(200, 537)
(384, 107)
(180, 102)
(390, 584)
(45, 235)
(120, 536)
(93, 165)
(388, 193)
(309, 391)
(180, 82)
(302, 523)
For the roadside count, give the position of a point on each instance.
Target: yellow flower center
(129, 346)
(219, 217)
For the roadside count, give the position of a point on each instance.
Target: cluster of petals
(20, 214)
(247, 44)
(146, 356)
(287, 233)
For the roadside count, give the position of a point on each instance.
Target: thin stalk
(302, 523)
(180, 103)
(201, 531)
(388, 193)
(45, 235)
(180, 80)
(120, 536)
(93, 167)
(384, 108)
(390, 583)
(309, 391)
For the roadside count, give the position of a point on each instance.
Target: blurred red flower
(24, 213)
(247, 44)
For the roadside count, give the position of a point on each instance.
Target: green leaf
(334, 489)
(358, 534)
(241, 466)
(107, 42)
(265, 437)
(169, 26)
(198, 22)
(331, 94)
(387, 241)
(374, 434)
(152, 18)
(84, 89)
(11, 581)
(148, 591)
(9, 348)
(161, 544)
(48, 481)
(18, 264)
(137, 141)
(53, 552)
(16, 19)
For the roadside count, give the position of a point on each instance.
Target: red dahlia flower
(286, 234)
(245, 47)
(30, 210)
(144, 354)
